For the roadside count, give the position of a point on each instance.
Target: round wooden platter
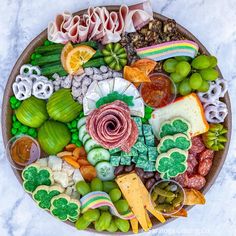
(24, 58)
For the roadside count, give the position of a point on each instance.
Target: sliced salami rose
(112, 126)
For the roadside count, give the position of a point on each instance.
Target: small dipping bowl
(22, 150)
(160, 92)
(174, 198)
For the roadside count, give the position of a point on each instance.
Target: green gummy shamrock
(44, 194)
(175, 126)
(34, 176)
(172, 163)
(180, 141)
(65, 208)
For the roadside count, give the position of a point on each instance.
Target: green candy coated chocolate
(73, 124)
(81, 115)
(73, 130)
(13, 100)
(75, 136)
(31, 131)
(78, 144)
(16, 124)
(23, 129)
(13, 131)
(33, 56)
(47, 42)
(14, 118)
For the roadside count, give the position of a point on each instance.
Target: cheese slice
(189, 108)
(134, 225)
(105, 86)
(132, 91)
(138, 108)
(120, 85)
(129, 186)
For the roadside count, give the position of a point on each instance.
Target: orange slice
(135, 75)
(67, 48)
(77, 57)
(145, 65)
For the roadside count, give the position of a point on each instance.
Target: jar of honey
(22, 150)
(160, 92)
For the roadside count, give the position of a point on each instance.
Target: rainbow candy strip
(170, 49)
(97, 199)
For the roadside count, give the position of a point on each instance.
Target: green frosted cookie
(168, 142)
(65, 208)
(172, 163)
(175, 126)
(43, 195)
(34, 176)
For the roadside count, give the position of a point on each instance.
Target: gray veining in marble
(214, 24)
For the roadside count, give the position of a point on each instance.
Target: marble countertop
(214, 24)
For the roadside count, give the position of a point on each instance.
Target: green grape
(123, 225)
(204, 86)
(121, 206)
(112, 227)
(209, 74)
(115, 194)
(195, 81)
(103, 222)
(184, 87)
(82, 223)
(183, 68)
(96, 185)
(213, 61)
(169, 65)
(176, 78)
(183, 58)
(104, 208)
(109, 185)
(91, 215)
(201, 62)
(82, 187)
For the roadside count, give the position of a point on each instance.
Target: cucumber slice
(81, 122)
(82, 132)
(98, 154)
(91, 144)
(85, 138)
(105, 171)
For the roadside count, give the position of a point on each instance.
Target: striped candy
(170, 49)
(97, 199)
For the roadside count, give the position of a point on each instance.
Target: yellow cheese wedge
(134, 225)
(129, 186)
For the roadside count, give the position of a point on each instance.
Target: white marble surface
(212, 21)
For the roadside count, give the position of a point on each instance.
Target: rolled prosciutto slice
(112, 126)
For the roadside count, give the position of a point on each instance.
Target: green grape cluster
(194, 75)
(74, 131)
(18, 128)
(101, 218)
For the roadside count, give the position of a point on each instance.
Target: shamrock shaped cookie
(65, 208)
(175, 126)
(168, 142)
(34, 176)
(43, 195)
(172, 163)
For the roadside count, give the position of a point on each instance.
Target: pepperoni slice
(182, 179)
(197, 145)
(192, 164)
(207, 154)
(196, 182)
(204, 166)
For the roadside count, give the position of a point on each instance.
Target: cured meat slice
(112, 126)
(197, 145)
(207, 154)
(192, 164)
(99, 24)
(204, 166)
(196, 181)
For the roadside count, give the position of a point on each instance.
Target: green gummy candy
(13, 131)
(175, 126)
(16, 124)
(172, 163)
(180, 141)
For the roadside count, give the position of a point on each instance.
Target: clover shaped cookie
(43, 195)
(175, 126)
(34, 176)
(180, 141)
(65, 208)
(172, 163)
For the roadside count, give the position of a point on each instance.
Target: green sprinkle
(78, 144)
(16, 124)
(13, 131)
